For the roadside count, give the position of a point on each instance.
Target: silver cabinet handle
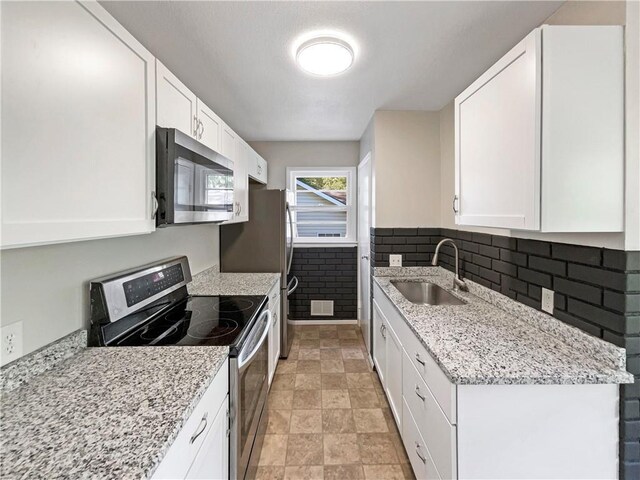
(419, 360)
(275, 317)
(196, 126)
(384, 329)
(201, 129)
(365, 257)
(154, 200)
(424, 460)
(422, 397)
(203, 424)
(453, 205)
(239, 208)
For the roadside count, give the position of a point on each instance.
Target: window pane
(329, 191)
(320, 230)
(321, 216)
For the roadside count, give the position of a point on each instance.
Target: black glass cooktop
(198, 320)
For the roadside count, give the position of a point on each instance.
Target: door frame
(364, 163)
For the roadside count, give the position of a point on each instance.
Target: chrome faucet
(458, 283)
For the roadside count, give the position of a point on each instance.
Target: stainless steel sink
(426, 293)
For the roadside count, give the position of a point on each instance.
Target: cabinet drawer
(274, 295)
(421, 462)
(435, 429)
(443, 390)
(183, 450)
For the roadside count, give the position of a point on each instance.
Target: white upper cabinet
(209, 127)
(78, 125)
(539, 136)
(177, 105)
(257, 167)
(240, 177)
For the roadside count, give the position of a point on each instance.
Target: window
(323, 204)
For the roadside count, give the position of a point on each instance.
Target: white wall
(280, 155)
(47, 287)
(406, 169)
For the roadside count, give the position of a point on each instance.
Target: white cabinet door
(228, 142)
(209, 127)
(379, 343)
(177, 105)
(497, 148)
(257, 167)
(393, 386)
(274, 339)
(78, 125)
(212, 460)
(240, 175)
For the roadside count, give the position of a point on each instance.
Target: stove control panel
(141, 288)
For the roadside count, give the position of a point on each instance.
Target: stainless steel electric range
(150, 306)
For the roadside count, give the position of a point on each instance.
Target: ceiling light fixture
(324, 56)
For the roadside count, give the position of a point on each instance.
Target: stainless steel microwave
(194, 184)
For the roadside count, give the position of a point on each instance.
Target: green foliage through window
(324, 183)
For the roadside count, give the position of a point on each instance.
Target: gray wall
(46, 287)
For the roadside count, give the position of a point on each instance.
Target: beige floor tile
(341, 449)
(335, 399)
(370, 420)
(359, 380)
(309, 343)
(338, 421)
(351, 334)
(280, 399)
(334, 381)
(330, 354)
(325, 334)
(364, 398)
(304, 472)
(352, 354)
(309, 354)
(308, 366)
(327, 327)
(270, 473)
(286, 366)
(347, 326)
(356, 366)
(304, 449)
(307, 399)
(274, 450)
(307, 381)
(331, 366)
(408, 471)
(343, 472)
(278, 421)
(383, 472)
(310, 334)
(377, 448)
(286, 381)
(329, 343)
(306, 421)
(350, 343)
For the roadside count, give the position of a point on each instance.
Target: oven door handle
(242, 362)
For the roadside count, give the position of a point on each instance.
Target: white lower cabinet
(274, 330)
(201, 448)
(490, 431)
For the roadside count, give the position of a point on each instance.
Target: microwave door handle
(290, 260)
(242, 363)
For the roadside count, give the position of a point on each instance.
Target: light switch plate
(547, 300)
(10, 343)
(395, 260)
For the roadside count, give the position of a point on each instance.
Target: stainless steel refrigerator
(264, 244)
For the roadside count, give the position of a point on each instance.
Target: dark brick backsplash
(596, 290)
(325, 274)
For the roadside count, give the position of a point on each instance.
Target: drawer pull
(424, 459)
(203, 423)
(419, 360)
(422, 397)
(383, 329)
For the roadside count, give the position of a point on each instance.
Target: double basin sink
(426, 293)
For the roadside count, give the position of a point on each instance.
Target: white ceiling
(236, 56)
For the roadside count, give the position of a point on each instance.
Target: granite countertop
(213, 282)
(104, 412)
(495, 340)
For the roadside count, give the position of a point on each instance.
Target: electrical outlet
(395, 260)
(547, 300)
(10, 343)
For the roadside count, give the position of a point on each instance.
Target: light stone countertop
(104, 413)
(495, 340)
(213, 282)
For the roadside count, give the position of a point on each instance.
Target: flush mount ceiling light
(324, 56)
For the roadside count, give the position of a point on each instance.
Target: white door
(393, 386)
(212, 460)
(176, 104)
(364, 249)
(497, 148)
(379, 343)
(209, 127)
(78, 125)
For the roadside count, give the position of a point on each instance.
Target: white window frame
(350, 208)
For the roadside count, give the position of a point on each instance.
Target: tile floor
(328, 415)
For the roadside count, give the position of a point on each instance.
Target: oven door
(249, 386)
(195, 183)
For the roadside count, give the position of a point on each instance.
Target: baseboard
(323, 322)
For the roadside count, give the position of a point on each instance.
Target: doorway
(364, 249)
